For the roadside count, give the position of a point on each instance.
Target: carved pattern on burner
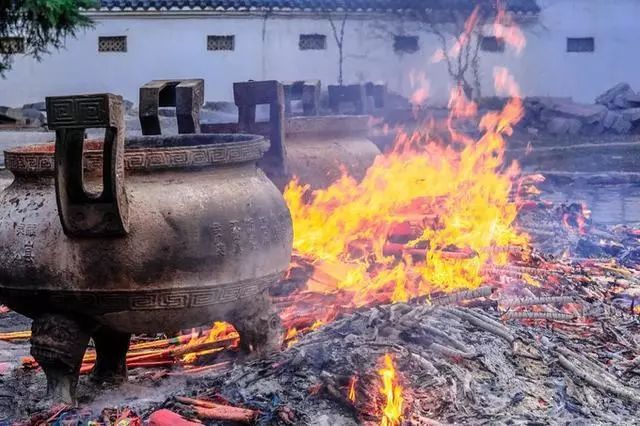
(29, 162)
(43, 163)
(179, 298)
(84, 111)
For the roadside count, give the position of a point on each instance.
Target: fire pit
(194, 233)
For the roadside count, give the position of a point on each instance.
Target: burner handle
(248, 95)
(83, 213)
(187, 96)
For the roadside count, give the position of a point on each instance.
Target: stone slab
(608, 97)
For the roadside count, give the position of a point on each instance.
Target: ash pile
(545, 341)
(456, 366)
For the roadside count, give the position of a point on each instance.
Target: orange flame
(352, 389)
(451, 201)
(219, 331)
(507, 30)
(291, 337)
(316, 325)
(429, 214)
(392, 391)
(464, 190)
(420, 85)
(464, 38)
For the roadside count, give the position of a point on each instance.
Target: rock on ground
(608, 97)
(563, 126)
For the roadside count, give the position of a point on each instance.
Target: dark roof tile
(520, 6)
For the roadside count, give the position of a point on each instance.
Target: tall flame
(451, 202)
(451, 196)
(392, 392)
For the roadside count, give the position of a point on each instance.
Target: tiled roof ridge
(517, 6)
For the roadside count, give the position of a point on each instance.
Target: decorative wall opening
(221, 42)
(581, 44)
(405, 44)
(112, 44)
(492, 44)
(11, 45)
(312, 42)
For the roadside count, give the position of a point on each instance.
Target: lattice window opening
(406, 44)
(221, 42)
(312, 42)
(492, 44)
(12, 45)
(112, 44)
(581, 44)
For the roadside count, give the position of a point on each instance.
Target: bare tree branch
(339, 38)
(464, 57)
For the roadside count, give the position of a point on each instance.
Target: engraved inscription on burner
(215, 233)
(237, 236)
(26, 232)
(236, 232)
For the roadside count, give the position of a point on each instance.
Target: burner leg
(259, 326)
(58, 343)
(111, 356)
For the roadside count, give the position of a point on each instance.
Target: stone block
(536, 104)
(631, 114)
(608, 97)
(22, 117)
(587, 113)
(564, 126)
(615, 122)
(39, 106)
(619, 102)
(632, 99)
(622, 126)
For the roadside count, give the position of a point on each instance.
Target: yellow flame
(466, 188)
(316, 325)
(455, 198)
(219, 331)
(291, 337)
(392, 392)
(352, 389)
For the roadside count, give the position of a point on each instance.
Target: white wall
(175, 47)
(550, 70)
